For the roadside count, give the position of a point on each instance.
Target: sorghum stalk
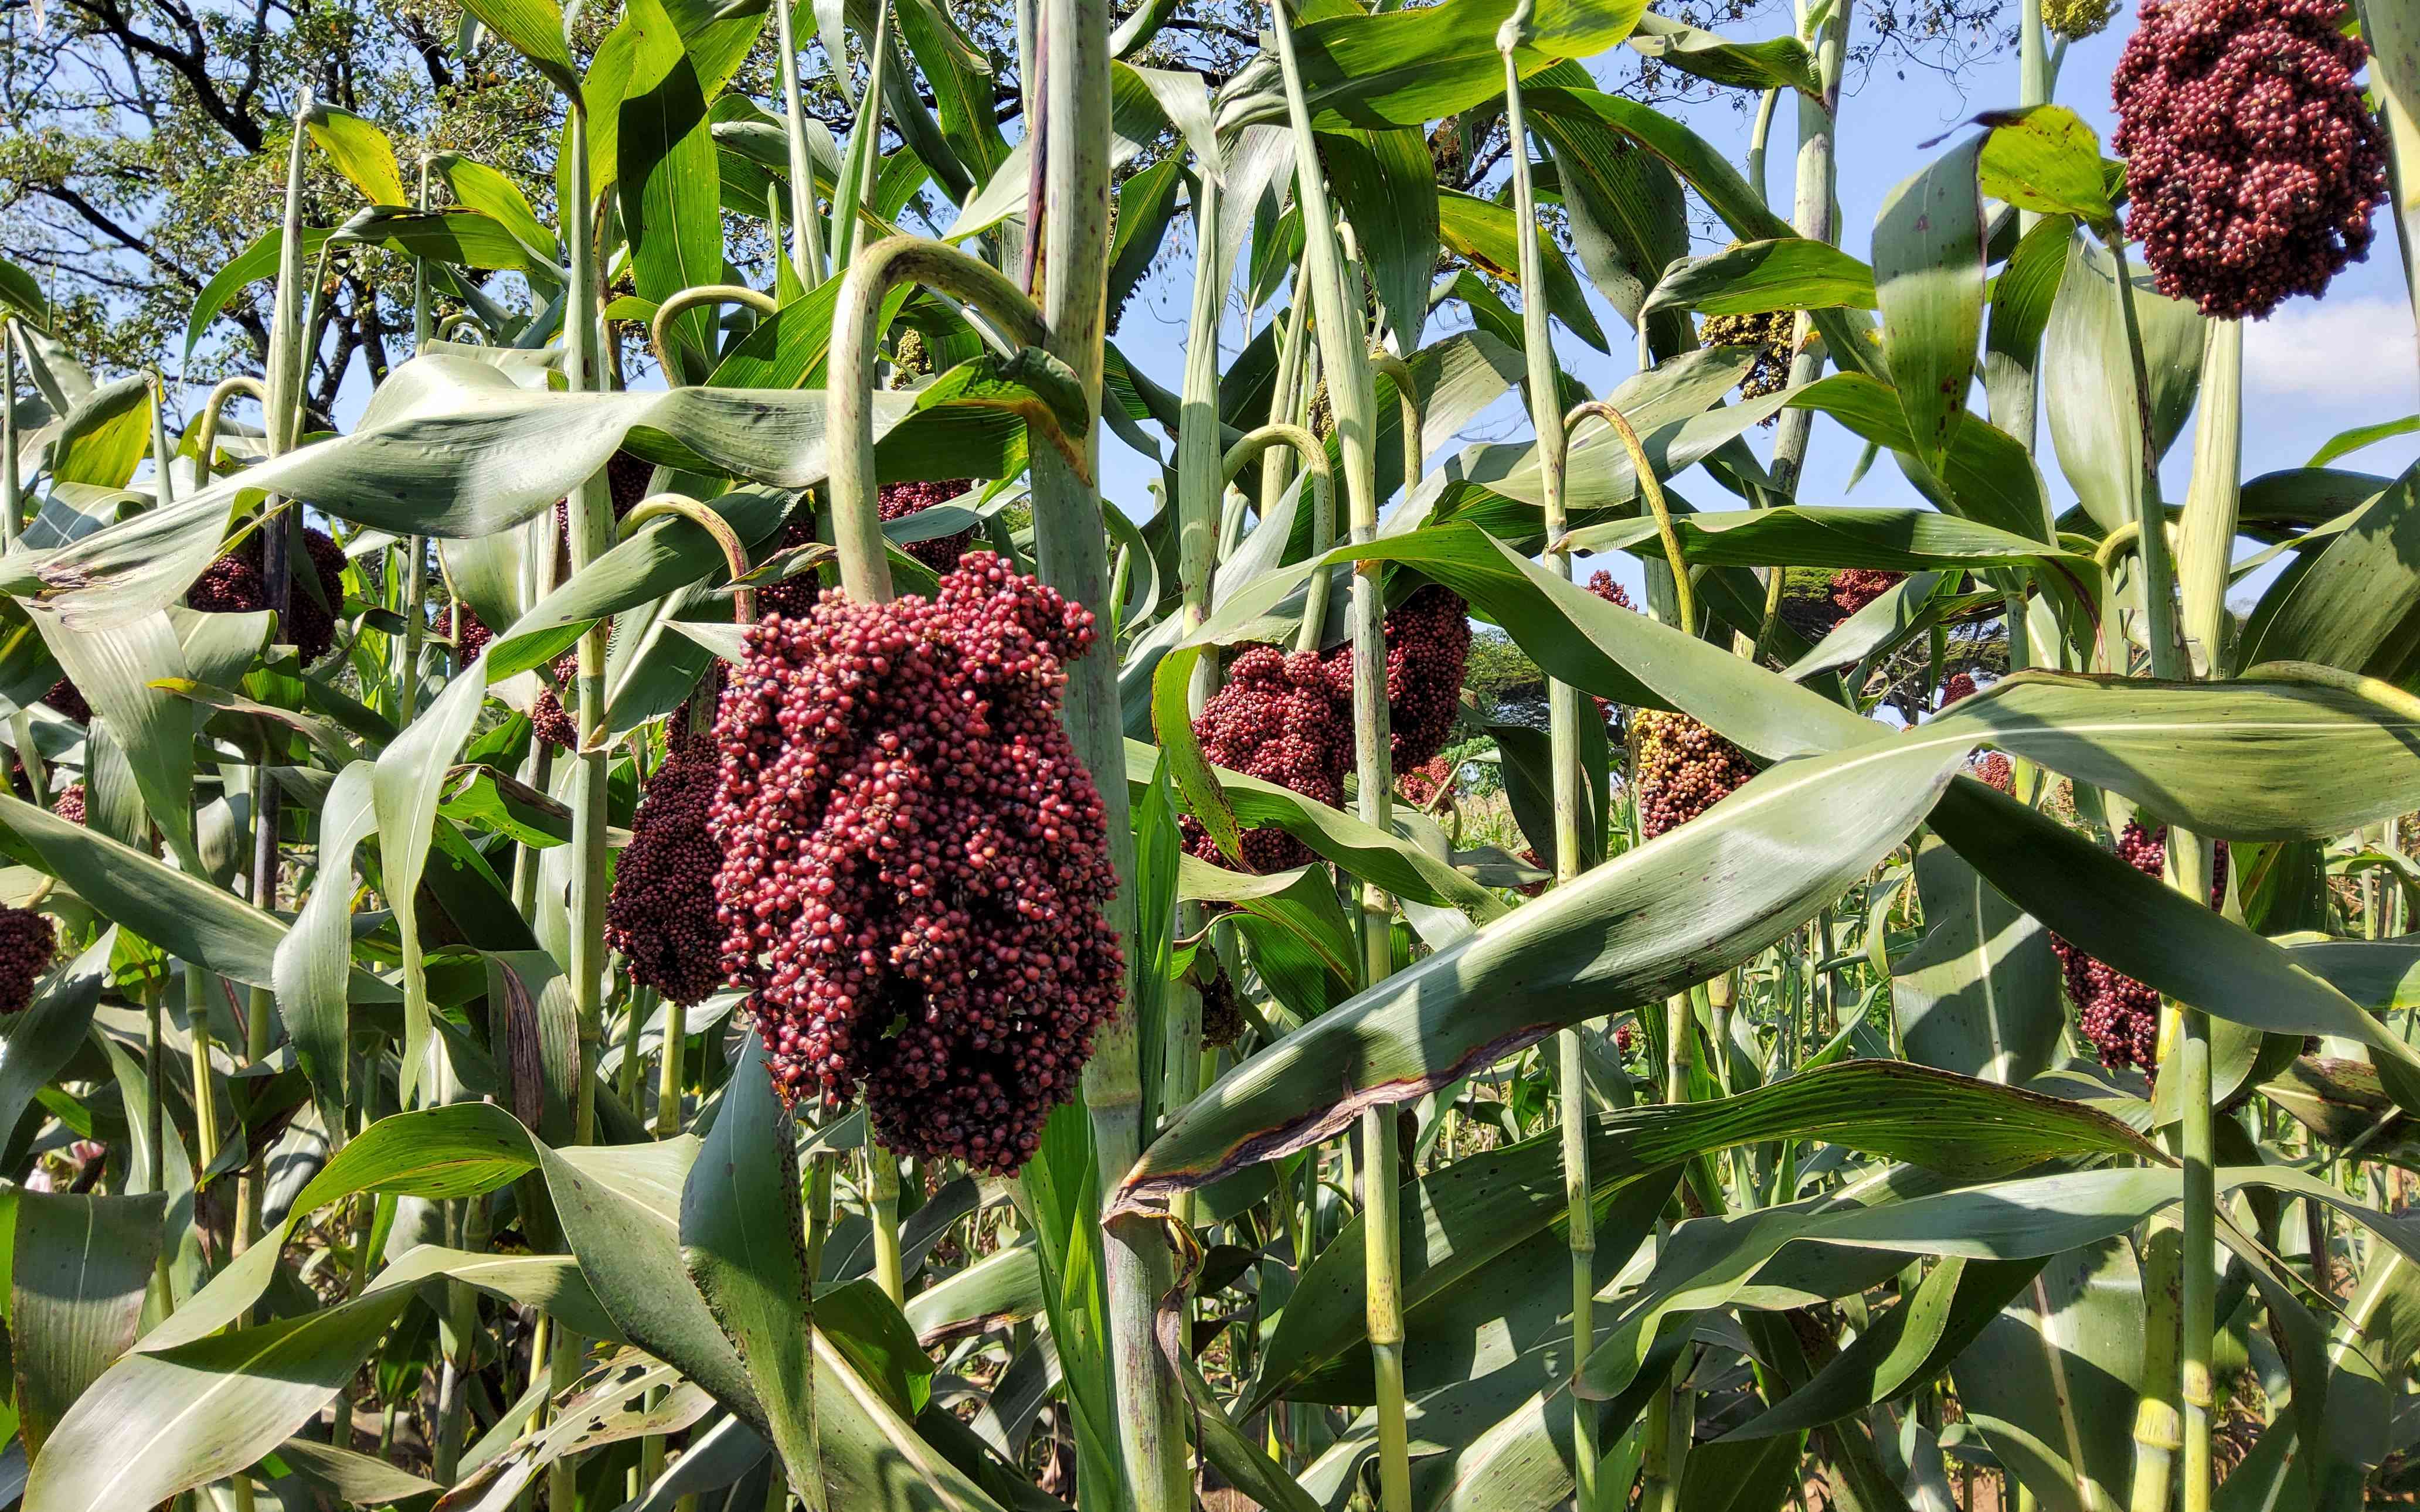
(1201, 483)
(1072, 222)
(13, 488)
(2169, 1326)
(1564, 711)
(2390, 31)
(591, 529)
(1345, 359)
(412, 560)
(1759, 136)
(279, 398)
(1270, 441)
(2207, 540)
(1285, 394)
(806, 221)
(1811, 215)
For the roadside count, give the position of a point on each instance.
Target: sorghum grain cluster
(914, 863)
(2119, 1016)
(27, 944)
(2252, 162)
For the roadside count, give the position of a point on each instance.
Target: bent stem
(1273, 440)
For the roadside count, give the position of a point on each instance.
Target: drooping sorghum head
(1683, 770)
(662, 913)
(1277, 718)
(2119, 1015)
(2253, 164)
(913, 861)
(28, 944)
(548, 720)
(236, 584)
(897, 500)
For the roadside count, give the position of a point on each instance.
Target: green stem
(882, 1197)
(13, 488)
(591, 521)
(200, 985)
(806, 221)
(1345, 358)
(669, 1079)
(1274, 440)
(1759, 136)
(1201, 483)
(1811, 216)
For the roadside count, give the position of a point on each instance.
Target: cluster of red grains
(1428, 648)
(237, 583)
(913, 861)
(2252, 162)
(1277, 718)
(662, 913)
(1287, 718)
(1992, 768)
(27, 944)
(68, 699)
(897, 500)
(548, 720)
(69, 804)
(1960, 686)
(1622, 1039)
(2119, 1016)
(1683, 770)
(1853, 588)
(1602, 586)
(1770, 334)
(1422, 783)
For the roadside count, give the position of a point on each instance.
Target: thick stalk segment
(1811, 215)
(806, 221)
(1069, 245)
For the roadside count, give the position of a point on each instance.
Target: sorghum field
(631, 883)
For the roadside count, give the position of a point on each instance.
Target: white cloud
(2345, 349)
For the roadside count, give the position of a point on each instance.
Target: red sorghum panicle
(1278, 718)
(914, 863)
(897, 500)
(236, 584)
(626, 478)
(2252, 164)
(1428, 646)
(1287, 718)
(28, 944)
(69, 804)
(1683, 770)
(1853, 588)
(1622, 1039)
(68, 699)
(662, 913)
(1602, 586)
(1422, 783)
(2119, 1016)
(1992, 768)
(548, 720)
(1960, 686)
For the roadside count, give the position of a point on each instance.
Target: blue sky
(2313, 369)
